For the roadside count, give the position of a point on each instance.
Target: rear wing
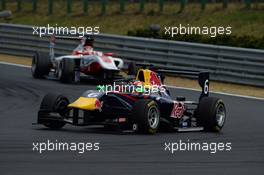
(54, 37)
(203, 78)
(67, 37)
(53, 40)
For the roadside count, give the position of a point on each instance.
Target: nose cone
(86, 104)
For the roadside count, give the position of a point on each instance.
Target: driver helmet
(89, 40)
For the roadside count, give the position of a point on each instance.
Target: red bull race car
(142, 104)
(84, 60)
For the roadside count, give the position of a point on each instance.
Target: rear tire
(211, 114)
(66, 70)
(147, 116)
(55, 103)
(40, 65)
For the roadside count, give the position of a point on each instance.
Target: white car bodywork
(87, 56)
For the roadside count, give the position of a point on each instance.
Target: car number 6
(206, 86)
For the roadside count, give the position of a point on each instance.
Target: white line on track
(174, 87)
(13, 64)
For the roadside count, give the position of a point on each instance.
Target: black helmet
(89, 40)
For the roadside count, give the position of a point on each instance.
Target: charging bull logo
(154, 79)
(177, 110)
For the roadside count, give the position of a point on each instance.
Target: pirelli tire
(147, 116)
(66, 70)
(56, 104)
(40, 66)
(211, 114)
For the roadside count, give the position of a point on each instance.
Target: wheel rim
(220, 115)
(153, 117)
(61, 107)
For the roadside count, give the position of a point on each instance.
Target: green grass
(242, 21)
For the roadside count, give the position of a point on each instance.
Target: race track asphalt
(20, 97)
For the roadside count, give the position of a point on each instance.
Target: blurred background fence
(227, 64)
(87, 4)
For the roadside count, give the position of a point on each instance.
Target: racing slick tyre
(147, 116)
(211, 114)
(66, 70)
(55, 103)
(40, 65)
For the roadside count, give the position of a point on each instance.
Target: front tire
(40, 65)
(55, 103)
(211, 114)
(147, 116)
(66, 70)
